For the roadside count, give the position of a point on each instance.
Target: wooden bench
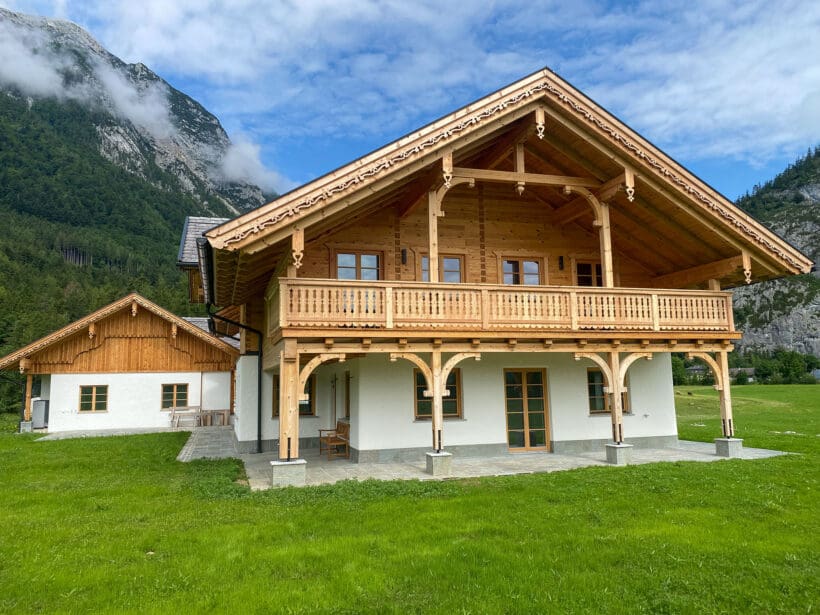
(187, 414)
(334, 439)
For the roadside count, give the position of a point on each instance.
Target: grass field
(117, 525)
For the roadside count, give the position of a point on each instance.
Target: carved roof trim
(437, 135)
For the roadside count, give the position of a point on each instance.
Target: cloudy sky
(731, 89)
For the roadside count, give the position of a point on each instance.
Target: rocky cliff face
(786, 313)
(141, 121)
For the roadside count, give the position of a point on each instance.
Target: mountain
(141, 121)
(785, 313)
(100, 163)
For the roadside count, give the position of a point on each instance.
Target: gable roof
(13, 359)
(599, 136)
(194, 228)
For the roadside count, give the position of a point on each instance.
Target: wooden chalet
(125, 366)
(531, 231)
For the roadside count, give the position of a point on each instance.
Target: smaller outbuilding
(125, 366)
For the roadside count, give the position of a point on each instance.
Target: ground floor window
(94, 398)
(307, 407)
(174, 396)
(598, 400)
(451, 406)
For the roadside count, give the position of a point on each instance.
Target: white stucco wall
(134, 399)
(381, 399)
(245, 408)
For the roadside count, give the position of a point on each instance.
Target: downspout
(206, 273)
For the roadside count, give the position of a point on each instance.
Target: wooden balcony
(315, 304)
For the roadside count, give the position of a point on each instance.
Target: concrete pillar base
(25, 427)
(619, 454)
(728, 447)
(439, 464)
(288, 473)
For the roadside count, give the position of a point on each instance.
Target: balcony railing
(311, 303)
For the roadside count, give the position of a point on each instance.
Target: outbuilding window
(94, 398)
(174, 396)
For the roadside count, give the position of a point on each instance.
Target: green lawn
(116, 524)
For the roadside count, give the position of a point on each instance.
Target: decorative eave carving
(550, 89)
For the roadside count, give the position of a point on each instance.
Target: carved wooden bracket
(712, 364)
(540, 123)
(311, 365)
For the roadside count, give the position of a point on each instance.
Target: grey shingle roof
(195, 227)
(202, 323)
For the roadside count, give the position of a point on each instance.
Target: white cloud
(147, 107)
(242, 163)
(702, 78)
(29, 61)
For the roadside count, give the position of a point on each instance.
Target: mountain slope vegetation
(785, 313)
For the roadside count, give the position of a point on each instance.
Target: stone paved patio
(217, 443)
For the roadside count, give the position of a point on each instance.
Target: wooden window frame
(547, 415)
(174, 399)
(626, 406)
(597, 268)
(542, 267)
(334, 262)
(420, 270)
(93, 388)
(310, 385)
(458, 397)
(347, 394)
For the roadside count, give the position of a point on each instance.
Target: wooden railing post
(388, 307)
(573, 310)
(283, 306)
(656, 313)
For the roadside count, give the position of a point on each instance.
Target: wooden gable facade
(529, 221)
(131, 335)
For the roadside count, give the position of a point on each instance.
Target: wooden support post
(432, 230)
(289, 394)
(713, 284)
(726, 420)
(27, 409)
(605, 236)
(438, 401)
(616, 405)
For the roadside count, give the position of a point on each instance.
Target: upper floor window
(588, 274)
(451, 268)
(521, 271)
(352, 265)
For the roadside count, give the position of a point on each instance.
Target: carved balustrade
(315, 303)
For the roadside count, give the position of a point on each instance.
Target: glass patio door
(526, 405)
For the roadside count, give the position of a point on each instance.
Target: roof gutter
(205, 254)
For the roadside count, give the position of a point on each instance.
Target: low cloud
(29, 62)
(242, 163)
(146, 107)
(703, 79)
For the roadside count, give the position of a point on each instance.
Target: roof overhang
(246, 248)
